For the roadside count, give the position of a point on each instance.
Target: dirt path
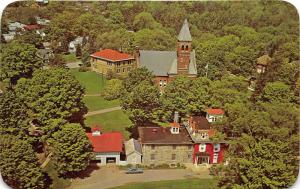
(102, 111)
(107, 177)
(92, 95)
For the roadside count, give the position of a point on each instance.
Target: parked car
(134, 171)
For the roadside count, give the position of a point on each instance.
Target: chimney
(137, 56)
(176, 117)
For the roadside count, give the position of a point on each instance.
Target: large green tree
(18, 60)
(19, 166)
(71, 149)
(52, 94)
(112, 89)
(141, 104)
(14, 118)
(176, 97)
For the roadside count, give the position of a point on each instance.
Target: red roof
(32, 26)
(107, 142)
(213, 111)
(112, 55)
(96, 128)
(174, 124)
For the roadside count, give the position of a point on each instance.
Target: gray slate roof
(184, 34)
(164, 63)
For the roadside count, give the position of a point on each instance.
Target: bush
(112, 89)
(84, 69)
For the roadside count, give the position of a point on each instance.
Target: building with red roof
(214, 114)
(111, 61)
(107, 147)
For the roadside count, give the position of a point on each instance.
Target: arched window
(186, 47)
(182, 47)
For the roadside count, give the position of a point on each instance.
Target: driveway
(107, 177)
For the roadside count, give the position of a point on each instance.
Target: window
(173, 156)
(190, 147)
(216, 147)
(215, 159)
(152, 147)
(165, 83)
(182, 47)
(174, 147)
(202, 148)
(123, 69)
(118, 70)
(152, 156)
(189, 156)
(186, 47)
(160, 83)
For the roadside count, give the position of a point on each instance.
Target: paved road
(102, 111)
(107, 177)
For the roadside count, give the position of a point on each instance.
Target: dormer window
(175, 130)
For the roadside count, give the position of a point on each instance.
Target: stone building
(111, 61)
(166, 65)
(165, 145)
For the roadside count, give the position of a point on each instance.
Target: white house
(213, 115)
(73, 44)
(133, 152)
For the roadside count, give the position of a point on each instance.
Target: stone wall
(167, 154)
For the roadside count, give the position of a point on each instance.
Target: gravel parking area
(111, 176)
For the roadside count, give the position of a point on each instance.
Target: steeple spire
(184, 34)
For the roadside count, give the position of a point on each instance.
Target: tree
(259, 164)
(18, 61)
(135, 77)
(19, 165)
(52, 94)
(155, 39)
(13, 114)
(85, 56)
(142, 103)
(176, 97)
(71, 149)
(30, 37)
(112, 89)
(199, 95)
(78, 51)
(57, 61)
(145, 20)
(276, 91)
(228, 90)
(60, 30)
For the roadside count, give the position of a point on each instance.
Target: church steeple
(184, 48)
(184, 34)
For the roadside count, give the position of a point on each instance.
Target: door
(215, 159)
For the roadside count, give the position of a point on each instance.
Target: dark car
(134, 171)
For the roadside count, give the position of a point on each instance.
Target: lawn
(111, 121)
(98, 103)
(173, 184)
(92, 81)
(57, 183)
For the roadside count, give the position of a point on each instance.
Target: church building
(165, 65)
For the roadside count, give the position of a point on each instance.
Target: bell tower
(184, 48)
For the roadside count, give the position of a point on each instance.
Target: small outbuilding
(107, 147)
(133, 152)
